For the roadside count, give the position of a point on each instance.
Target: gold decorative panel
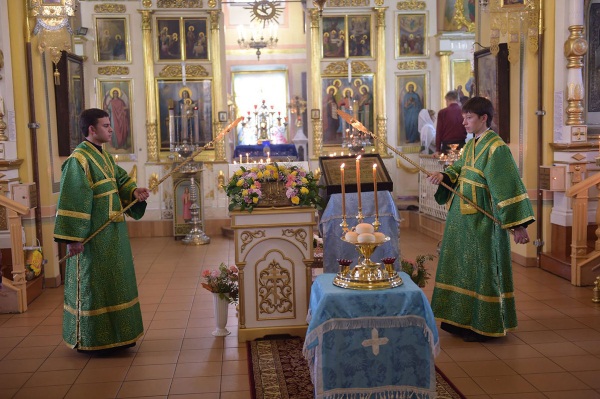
(248, 236)
(275, 290)
(113, 70)
(412, 65)
(179, 4)
(347, 3)
(298, 234)
(411, 5)
(191, 71)
(341, 68)
(109, 8)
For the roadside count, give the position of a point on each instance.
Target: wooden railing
(13, 295)
(584, 265)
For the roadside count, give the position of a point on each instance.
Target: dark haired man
(449, 128)
(473, 294)
(101, 306)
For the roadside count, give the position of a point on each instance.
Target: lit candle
(241, 160)
(343, 189)
(261, 161)
(247, 157)
(375, 190)
(268, 154)
(358, 182)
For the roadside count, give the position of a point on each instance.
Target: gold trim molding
(212, 3)
(174, 71)
(179, 4)
(412, 65)
(110, 8)
(341, 68)
(113, 70)
(347, 3)
(411, 5)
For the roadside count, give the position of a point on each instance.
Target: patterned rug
(279, 371)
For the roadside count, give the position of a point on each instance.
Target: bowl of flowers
(272, 185)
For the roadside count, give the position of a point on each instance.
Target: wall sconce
(81, 31)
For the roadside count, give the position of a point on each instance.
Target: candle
(358, 182)
(343, 189)
(375, 190)
(247, 158)
(241, 161)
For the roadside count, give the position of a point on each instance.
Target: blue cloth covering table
(329, 226)
(363, 343)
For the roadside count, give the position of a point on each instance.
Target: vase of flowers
(272, 184)
(223, 283)
(416, 269)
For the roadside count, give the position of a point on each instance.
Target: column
(575, 48)
(380, 83)
(445, 81)
(315, 82)
(151, 118)
(219, 100)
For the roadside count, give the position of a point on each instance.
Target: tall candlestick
(343, 189)
(375, 190)
(358, 183)
(247, 158)
(241, 158)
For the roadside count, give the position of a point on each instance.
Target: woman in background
(427, 130)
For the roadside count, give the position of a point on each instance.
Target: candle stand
(196, 236)
(367, 275)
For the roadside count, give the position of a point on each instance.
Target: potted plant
(416, 269)
(223, 283)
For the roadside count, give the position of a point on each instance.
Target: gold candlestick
(376, 223)
(359, 216)
(344, 224)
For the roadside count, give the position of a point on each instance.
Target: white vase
(221, 309)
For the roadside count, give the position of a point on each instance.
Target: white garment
(427, 132)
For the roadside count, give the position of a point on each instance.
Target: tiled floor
(555, 353)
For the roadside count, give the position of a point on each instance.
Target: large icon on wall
(116, 98)
(354, 98)
(411, 35)
(348, 36)
(184, 112)
(412, 99)
(112, 39)
(181, 39)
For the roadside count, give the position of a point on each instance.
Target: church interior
(197, 89)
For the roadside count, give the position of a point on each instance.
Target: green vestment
(101, 305)
(473, 285)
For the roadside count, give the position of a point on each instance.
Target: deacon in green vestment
(473, 295)
(101, 305)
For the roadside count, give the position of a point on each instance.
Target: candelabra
(195, 236)
(264, 121)
(453, 155)
(260, 37)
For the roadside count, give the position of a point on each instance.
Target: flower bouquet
(223, 281)
(416, 269)
(248, 186)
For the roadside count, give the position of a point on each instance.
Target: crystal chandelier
(258, 36)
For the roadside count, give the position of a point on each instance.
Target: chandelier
(258, 37)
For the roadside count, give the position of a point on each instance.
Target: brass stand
(367, 275)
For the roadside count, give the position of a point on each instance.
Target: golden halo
(110, 91)
(118, 37)
(335, 89)
(365, 86)
(189, 92)
(191, 28)
(358, 82)
(410, 83)
(347, 89)
(337, 83)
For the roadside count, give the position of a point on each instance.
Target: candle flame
(342, 166)
(358, 157)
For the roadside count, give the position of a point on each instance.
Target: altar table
(380, 341)
(278, 152)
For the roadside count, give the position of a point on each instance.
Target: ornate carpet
(279, 371)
